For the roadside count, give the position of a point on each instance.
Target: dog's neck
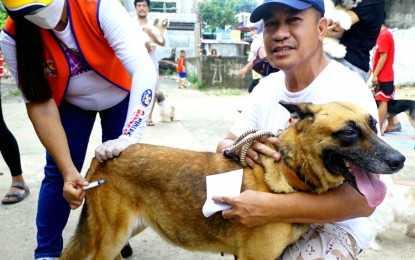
(291, 178)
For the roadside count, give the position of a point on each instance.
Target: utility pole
(197, 28)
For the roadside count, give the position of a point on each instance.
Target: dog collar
(292, 179)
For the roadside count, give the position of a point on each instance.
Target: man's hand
(149, 32)
(248, 209)
(73, 191)
(257, 147)
(112, 148)
(242, 72)
(375, 81)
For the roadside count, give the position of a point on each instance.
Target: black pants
(254, 82)
(8, 147)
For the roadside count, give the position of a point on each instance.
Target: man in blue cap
(293, 34)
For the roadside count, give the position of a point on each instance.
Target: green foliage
(3, 15)
(220, 13)
(170, 72)
(195, 82)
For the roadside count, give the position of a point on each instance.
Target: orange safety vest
(91, 44)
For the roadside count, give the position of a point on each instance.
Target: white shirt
(334, 83)
(147, 38)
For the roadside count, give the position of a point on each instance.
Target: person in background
(181, 70)
(293, 39)
(10, 150)
(72, 60)
(255, 45)
(367, 18)
(142, 8)
(383, 76)
(214, 53)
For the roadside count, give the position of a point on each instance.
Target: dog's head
(162, 23)
(160, 96)
(333, 142)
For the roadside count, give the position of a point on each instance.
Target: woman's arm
(129, 46)
(47, 124)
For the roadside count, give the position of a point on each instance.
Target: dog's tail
(78, 246)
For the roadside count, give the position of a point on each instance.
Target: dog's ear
(298, 111)
(156, 21)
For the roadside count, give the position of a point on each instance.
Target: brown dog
(164, 188)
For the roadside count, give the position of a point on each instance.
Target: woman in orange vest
(72, 60)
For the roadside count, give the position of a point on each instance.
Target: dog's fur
(165, 187)
(167, 109)
(397, 106)
(159, 30)
(335, 10)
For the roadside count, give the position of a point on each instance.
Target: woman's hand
(73, 189)
(112, 148)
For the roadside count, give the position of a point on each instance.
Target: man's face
(142, 9)
(291, 37)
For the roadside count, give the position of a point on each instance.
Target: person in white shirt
(142, 8)
(293, 35)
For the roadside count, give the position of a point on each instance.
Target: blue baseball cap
(262, 9)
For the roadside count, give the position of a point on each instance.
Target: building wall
(220, 72)
(400, 13)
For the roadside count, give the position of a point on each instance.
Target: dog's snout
(395, 161)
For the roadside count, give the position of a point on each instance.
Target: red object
(1, 65)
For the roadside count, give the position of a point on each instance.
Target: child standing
(181, 70)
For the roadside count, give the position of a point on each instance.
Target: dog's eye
(349, 132)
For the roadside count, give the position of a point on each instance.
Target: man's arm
(254, 208)
(245, 69)
(156, 40)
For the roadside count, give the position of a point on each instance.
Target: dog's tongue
(369, 185)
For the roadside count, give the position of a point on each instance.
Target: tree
(221, 13)
(3, 15)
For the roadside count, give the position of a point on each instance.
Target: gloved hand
(112, 148)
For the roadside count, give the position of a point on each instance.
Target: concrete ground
(205, 118)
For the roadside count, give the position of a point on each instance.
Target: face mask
(47, 17)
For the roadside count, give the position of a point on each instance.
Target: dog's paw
(375, 246)
(333, 48)
(344, 21)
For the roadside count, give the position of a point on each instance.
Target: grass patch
(224, 91)
(14, 92)
(213, 90)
